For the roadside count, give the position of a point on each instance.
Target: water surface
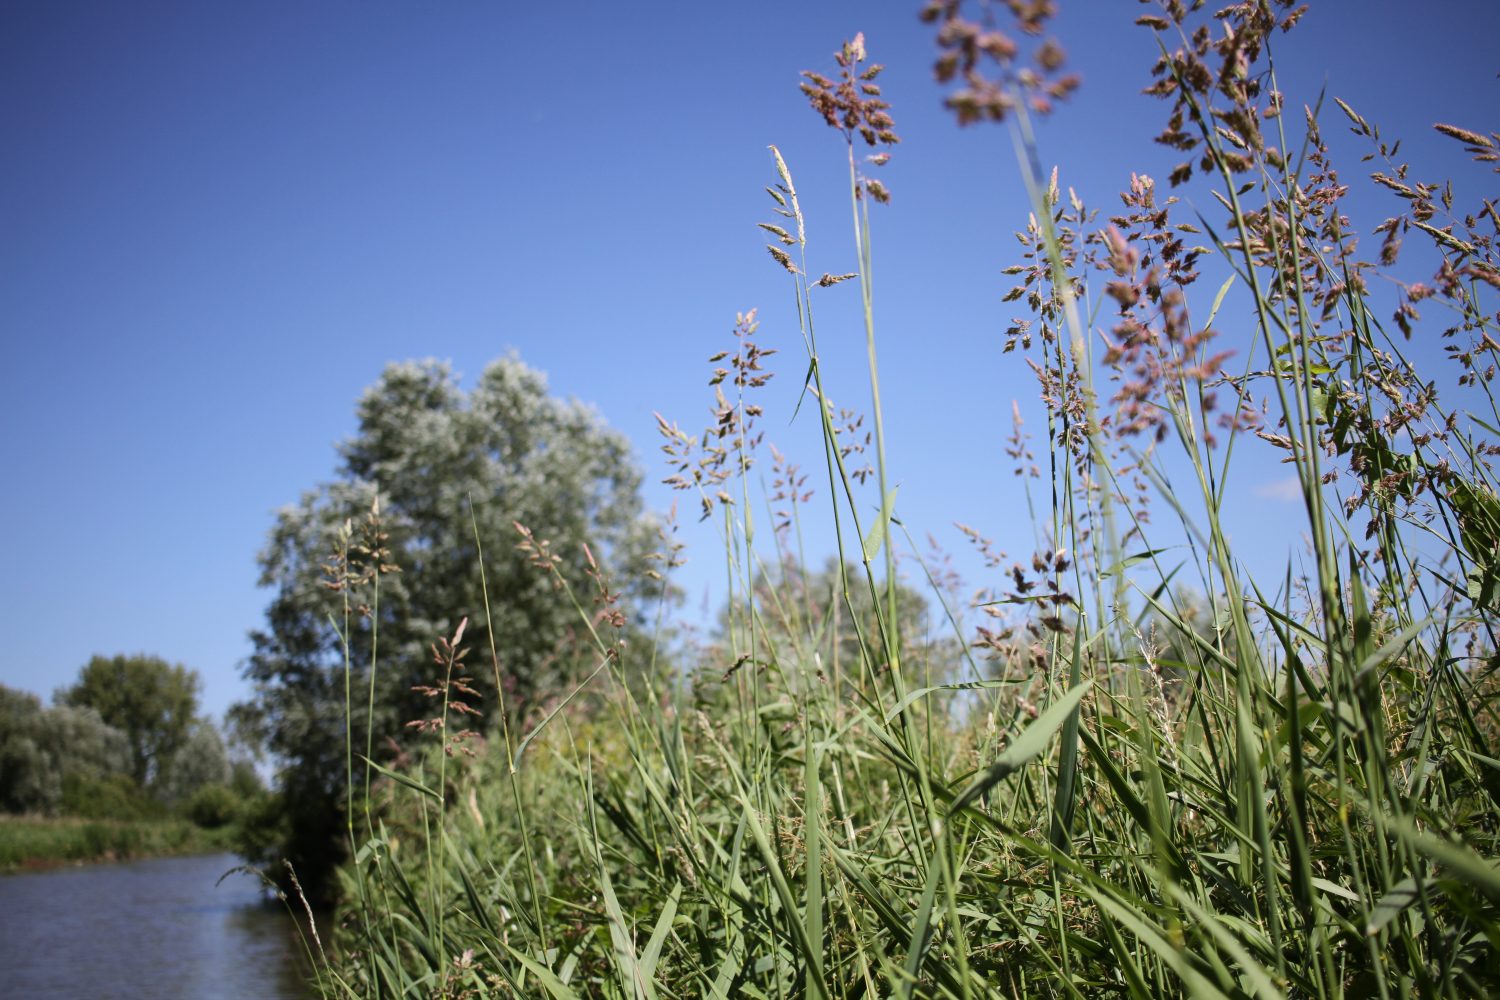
(154, 930)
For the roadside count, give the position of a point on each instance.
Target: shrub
(111, 796)
(213, 806)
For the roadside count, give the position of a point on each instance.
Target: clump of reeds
(1111, 787)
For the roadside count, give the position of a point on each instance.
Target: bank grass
(36, 842)
(1093, 780)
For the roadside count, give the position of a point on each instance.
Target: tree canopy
(151, 701)
(384, 555)
(41, 747)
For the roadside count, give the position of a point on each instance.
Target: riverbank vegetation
(121, 765)
(30, 843)
(1128, 767)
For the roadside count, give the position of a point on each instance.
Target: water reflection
(157, 930)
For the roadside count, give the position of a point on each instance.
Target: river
(154, 930)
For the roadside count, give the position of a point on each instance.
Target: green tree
(201, 761)
(245, 781)
(22, 765)
(427, 450)
(151, 701)
(41, 749)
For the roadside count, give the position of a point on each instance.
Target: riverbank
(29, 843)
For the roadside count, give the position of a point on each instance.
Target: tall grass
(1284, 787)
(39, 842)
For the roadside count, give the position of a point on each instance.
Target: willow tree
(361, 589)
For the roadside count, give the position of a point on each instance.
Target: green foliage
(213, 806)
(348, 574)
(264, 821)
(42, 749)
(148, 699)
(24, 767)
(244, 781)
(36, 842)
(67, 760)
(201, 761)
(1284, 790)
(111, 796)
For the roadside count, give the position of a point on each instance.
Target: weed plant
(1284, 787)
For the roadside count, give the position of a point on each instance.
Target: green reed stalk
(512, 777)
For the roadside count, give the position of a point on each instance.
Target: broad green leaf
(537, 730)
(876, 536)
(1131, 560)
(555, 987)
(1482, 873)
(652, 953)
(1028, 745)
(1392, 905)
(402, 779)
(1219, 300)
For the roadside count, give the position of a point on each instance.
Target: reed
(1277, 787)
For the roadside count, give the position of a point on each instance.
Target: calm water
(157, 930)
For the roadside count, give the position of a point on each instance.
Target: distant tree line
(125, 741)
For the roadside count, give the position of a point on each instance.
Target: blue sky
(218, 223)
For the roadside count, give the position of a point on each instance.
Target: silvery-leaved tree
(41, 749)
(392, 577)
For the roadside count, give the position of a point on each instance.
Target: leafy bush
(111, 796)
(213, 806)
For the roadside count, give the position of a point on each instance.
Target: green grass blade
(1026, 747)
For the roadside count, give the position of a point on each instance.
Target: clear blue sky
(219, 221)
